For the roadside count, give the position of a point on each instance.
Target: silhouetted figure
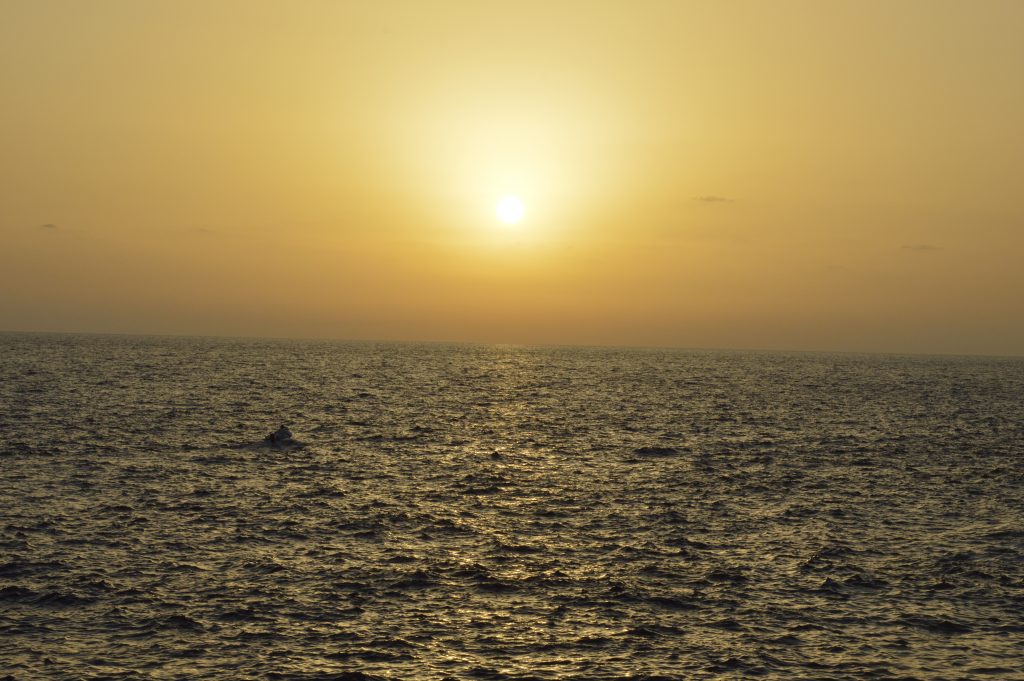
(282, 434)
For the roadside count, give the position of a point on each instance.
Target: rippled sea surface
(472, 512)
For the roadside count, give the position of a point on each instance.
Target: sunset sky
(779, 175)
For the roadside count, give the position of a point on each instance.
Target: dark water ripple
(470, 512)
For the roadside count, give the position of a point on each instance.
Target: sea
(505, 512)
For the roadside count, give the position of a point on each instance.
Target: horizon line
(680, 348)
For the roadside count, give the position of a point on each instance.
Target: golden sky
(783, 175)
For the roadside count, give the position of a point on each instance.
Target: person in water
(282, 434)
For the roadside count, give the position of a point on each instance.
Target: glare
(510, 210)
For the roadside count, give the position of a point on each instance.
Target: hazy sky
(791, 175)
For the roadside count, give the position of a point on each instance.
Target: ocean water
(490, 512)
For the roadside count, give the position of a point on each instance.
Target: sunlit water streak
(474, 512)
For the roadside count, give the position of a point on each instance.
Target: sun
(510, 209)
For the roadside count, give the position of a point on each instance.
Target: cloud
(713, 199)
(48, 225)
(920, 248)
